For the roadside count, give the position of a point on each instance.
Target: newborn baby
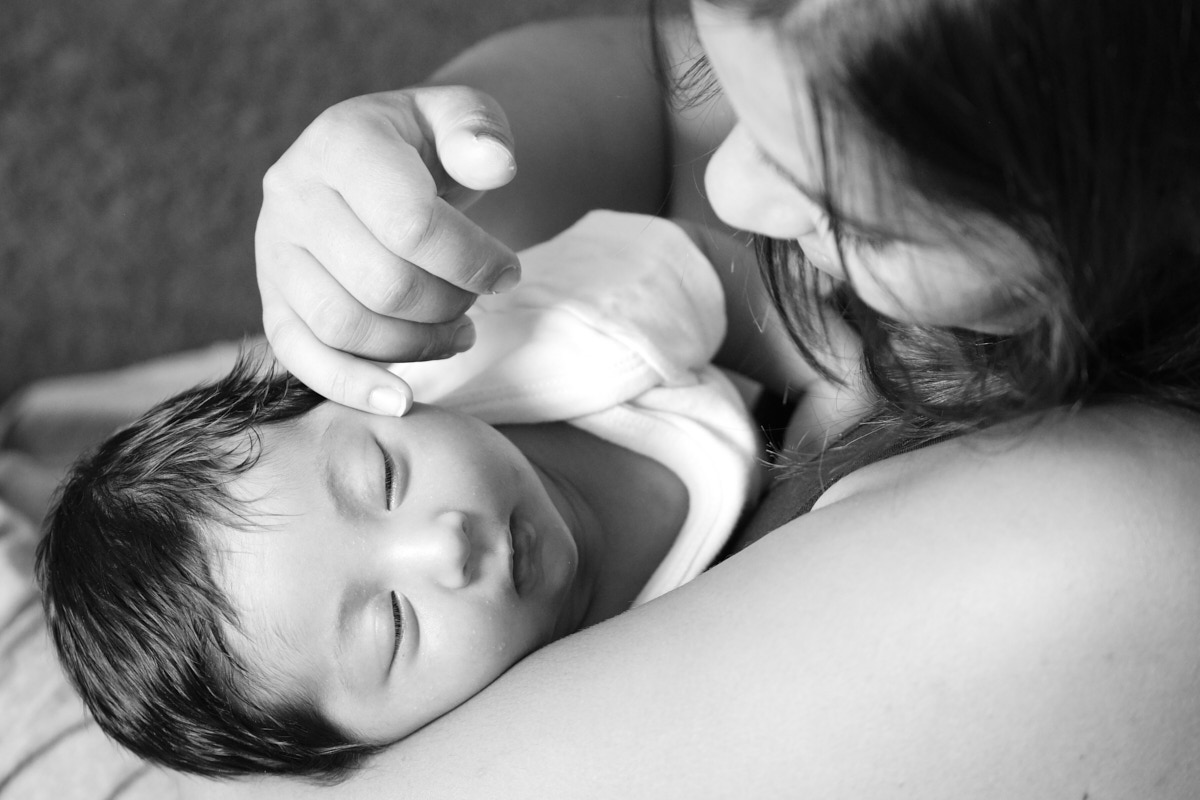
(250, 579)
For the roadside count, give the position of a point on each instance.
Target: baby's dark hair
(138, 620)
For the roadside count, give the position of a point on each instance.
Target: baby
(249, 579)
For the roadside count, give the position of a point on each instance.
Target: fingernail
(509, 278)
(464, 337)
(386, 400)
(498, 148)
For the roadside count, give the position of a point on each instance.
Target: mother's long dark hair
(1074, 122)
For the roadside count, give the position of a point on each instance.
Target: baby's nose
(443, 549)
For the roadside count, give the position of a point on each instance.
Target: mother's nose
(439, 548)
(748, 193)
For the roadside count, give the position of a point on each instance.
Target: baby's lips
(526, 564)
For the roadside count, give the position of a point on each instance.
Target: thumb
(472, 137)
(477, 160)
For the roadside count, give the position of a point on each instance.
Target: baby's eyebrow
(354, 671)
(341, 635)
(334, 475)
(337, 475)
(337, 491)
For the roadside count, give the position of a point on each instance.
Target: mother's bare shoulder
(1054, 565)
(1119, 467)
(1104, 502)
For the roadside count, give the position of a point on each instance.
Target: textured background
(133, 138)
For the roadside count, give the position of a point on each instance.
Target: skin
(911, 637)
(466, 535)
(903, 256)
(346, 267)
(1009, 614)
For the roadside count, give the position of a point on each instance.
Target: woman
(996, 594)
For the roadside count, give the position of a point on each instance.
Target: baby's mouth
(522, 560)
(512, 554)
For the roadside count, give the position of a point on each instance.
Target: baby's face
(392, 567)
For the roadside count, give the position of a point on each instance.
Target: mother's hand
(363, 254)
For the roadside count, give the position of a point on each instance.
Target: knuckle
(276, 180)
(333, 120)
(341, 388)
(407, 233)
(329, 322)
(401, 291)
(432, 346)
(337, 134)
(284, 334)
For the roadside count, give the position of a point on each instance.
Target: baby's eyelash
(389, 481)
(397, 625)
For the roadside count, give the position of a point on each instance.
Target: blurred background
(133, 139)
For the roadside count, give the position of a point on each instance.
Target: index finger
(340, 377)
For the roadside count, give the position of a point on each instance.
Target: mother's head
(1009, 186)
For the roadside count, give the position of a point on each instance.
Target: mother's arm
(1013, 618)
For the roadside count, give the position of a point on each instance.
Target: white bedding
(49, 747)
